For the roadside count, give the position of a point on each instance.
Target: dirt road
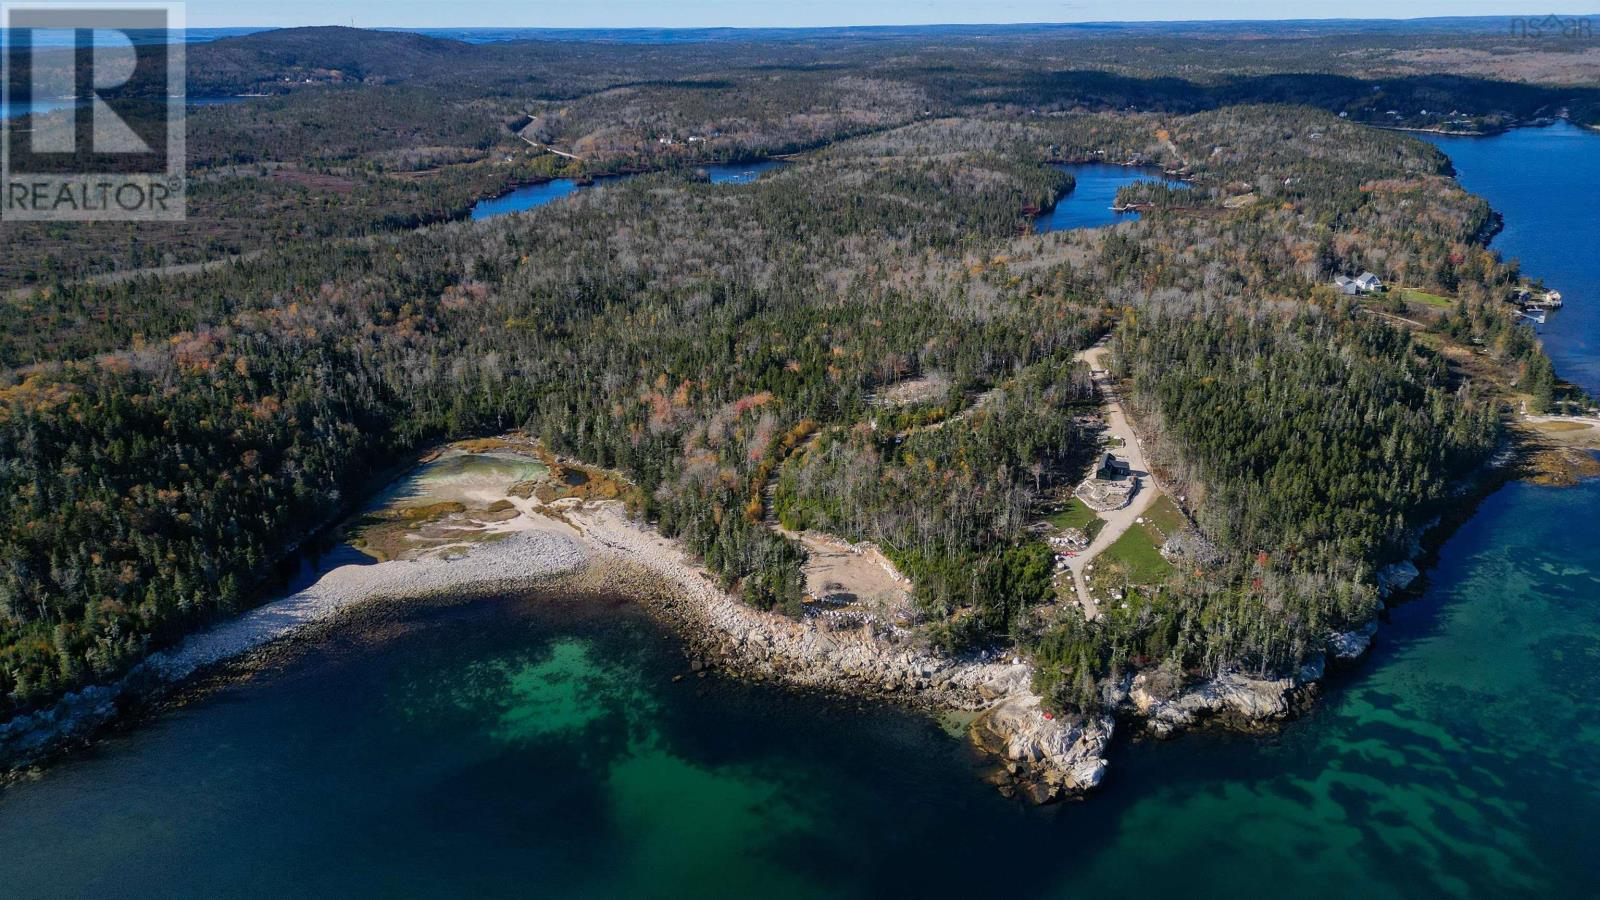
(1120, 520)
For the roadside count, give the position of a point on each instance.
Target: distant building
(1365, 283)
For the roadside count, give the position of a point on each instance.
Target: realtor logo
(95, 99)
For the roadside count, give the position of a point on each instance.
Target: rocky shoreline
(1045, 757)
(596, 547)
(1052, 758)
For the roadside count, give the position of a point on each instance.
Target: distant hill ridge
(321, 54)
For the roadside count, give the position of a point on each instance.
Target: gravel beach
(518, 559)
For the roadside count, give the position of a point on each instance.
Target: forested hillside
(165, 441)
(365, 132)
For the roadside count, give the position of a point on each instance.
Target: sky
(810, 13)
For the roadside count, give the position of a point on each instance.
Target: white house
(1365, 283)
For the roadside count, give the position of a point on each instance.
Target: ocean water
(511, 747)
(524, 746)
(11, 110)
(1545, 182)
(62, 40)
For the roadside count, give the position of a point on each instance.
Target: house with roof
(1113, 469)
(1365, 283)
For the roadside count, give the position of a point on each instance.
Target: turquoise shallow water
(1461, 759)
(517, 747)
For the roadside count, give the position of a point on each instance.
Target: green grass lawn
(1077, 515)
(1134, 557)
(1411, 295)
(1165, 516)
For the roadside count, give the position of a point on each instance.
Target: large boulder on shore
(1397, 577)
(1245, 700)
(1061, 755)
(1347, 646)
(26, 739)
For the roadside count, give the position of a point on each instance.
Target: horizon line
(1022, 24)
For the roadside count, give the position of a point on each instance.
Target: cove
(1545, 182)
(1088, 204)
(538, 746)
(533, 196)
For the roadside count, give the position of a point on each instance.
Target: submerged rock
(1056, 757)
(1312, 669)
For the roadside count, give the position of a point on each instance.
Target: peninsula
(850, 422)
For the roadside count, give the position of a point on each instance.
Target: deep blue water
(1546, 183)
(517, 747)
(1088, 205)
(535, 195)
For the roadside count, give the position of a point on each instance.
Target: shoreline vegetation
(1498, 129)
(580, 544)
(558, 533)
